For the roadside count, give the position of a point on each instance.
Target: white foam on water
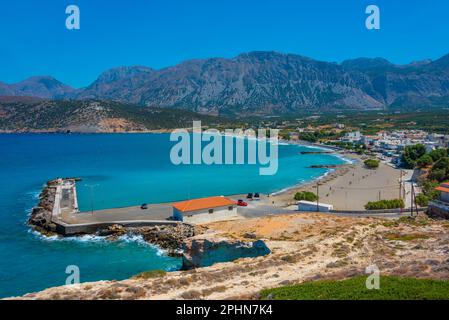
(91, 238)
(33, 194)
(303, 182)
(341, 157)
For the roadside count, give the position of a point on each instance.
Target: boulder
(204, 252)
(114, 231)
(167, 237)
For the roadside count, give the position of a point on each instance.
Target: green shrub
(412, 154)
(437, 154)
(424, 161)
(372, 163)
(422, 200)
(440, 170)
(385, 204)
(306, 195)
(391, 288)
(151, 274)
(428, 188)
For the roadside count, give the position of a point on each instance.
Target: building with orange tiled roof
(444, 191)
(205, 210)
(440, 208)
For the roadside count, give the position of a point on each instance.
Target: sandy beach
(351, 186)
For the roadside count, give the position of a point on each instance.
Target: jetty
(317, 152)
(326, 166)
(58, 213)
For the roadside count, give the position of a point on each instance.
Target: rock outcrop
(206, 252)
(40, 218)
(167, 237)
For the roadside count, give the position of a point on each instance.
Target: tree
(372, 163)
(305, 195)
(424, 161)
(412, 154)
(428, 189)
(422, 200)
(437, 154)
(440, 170)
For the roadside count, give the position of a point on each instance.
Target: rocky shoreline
(168, 237)
(41, 216)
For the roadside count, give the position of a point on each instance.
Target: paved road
(256, 210)
(154, 212)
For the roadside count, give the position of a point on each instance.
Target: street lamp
(91, 186)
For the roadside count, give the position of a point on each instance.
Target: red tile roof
(442, 189)
(203, 203)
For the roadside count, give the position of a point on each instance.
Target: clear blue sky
(34, 40)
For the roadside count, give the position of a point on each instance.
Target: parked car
(249, 196)
(241, 203)
(257, 196)
(144, 206)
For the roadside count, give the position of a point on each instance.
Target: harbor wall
(89, 228)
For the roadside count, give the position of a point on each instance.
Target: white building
(430, 146)
(205, 210)
(352, 136)
(314, 207)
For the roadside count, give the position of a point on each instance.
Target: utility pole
(400, 188)
(317, 198)
(91, 186)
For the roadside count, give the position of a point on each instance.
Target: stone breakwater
(41, 218)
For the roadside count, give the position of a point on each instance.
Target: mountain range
(260, 83)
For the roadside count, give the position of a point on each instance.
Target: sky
(160, 33)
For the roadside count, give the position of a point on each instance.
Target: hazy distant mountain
(267, 83)
(42, 87)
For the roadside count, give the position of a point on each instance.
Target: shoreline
(321, 246)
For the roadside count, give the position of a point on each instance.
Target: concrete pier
(69, 221)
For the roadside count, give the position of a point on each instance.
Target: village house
(440, 208)
(205, 210)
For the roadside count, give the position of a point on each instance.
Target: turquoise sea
(116, 170)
